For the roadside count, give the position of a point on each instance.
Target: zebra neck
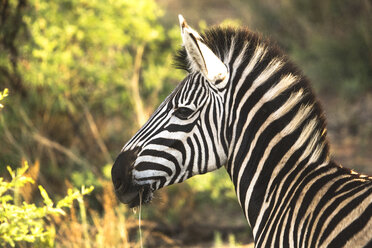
(273, 144)
(274, 127)
(268, 167)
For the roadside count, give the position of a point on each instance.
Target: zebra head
(184, 135)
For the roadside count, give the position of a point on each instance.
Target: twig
(12, 140)
(71, 155)
(138, 103)
(96, 135)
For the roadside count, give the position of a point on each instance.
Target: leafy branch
(27, 222)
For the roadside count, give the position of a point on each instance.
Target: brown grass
(107, 229)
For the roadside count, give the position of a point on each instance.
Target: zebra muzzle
(121, 173)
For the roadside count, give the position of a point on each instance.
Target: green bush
(26, 222)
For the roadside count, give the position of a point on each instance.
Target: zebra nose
(121, 174)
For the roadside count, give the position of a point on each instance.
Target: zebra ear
(200, 55)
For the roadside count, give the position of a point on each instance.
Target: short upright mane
(220, 39)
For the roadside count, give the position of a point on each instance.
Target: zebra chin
(136, 196)
(126, 189)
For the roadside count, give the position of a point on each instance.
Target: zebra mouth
(135, 196)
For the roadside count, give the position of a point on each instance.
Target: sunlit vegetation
(3, 94)
(22, 222)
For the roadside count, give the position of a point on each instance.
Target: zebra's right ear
(200, 55)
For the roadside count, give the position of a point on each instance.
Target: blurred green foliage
(22, 223)
(212, 186)
(86, 48)
(330, 40)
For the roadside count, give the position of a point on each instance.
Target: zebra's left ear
(200, 55)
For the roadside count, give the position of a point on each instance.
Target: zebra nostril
(117, 183)
(121, 172)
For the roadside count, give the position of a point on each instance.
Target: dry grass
(88, 228)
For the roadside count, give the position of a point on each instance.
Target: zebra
(245, 106)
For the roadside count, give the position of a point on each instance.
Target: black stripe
(173, 143)
(192, 155)
(199, 153)
(205, 150)
(143, 166)
(185, 127)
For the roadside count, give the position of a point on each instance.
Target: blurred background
(83, 75)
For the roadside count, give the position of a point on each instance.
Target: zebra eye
(183, 113)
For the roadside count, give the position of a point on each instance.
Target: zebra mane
(219, 40)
